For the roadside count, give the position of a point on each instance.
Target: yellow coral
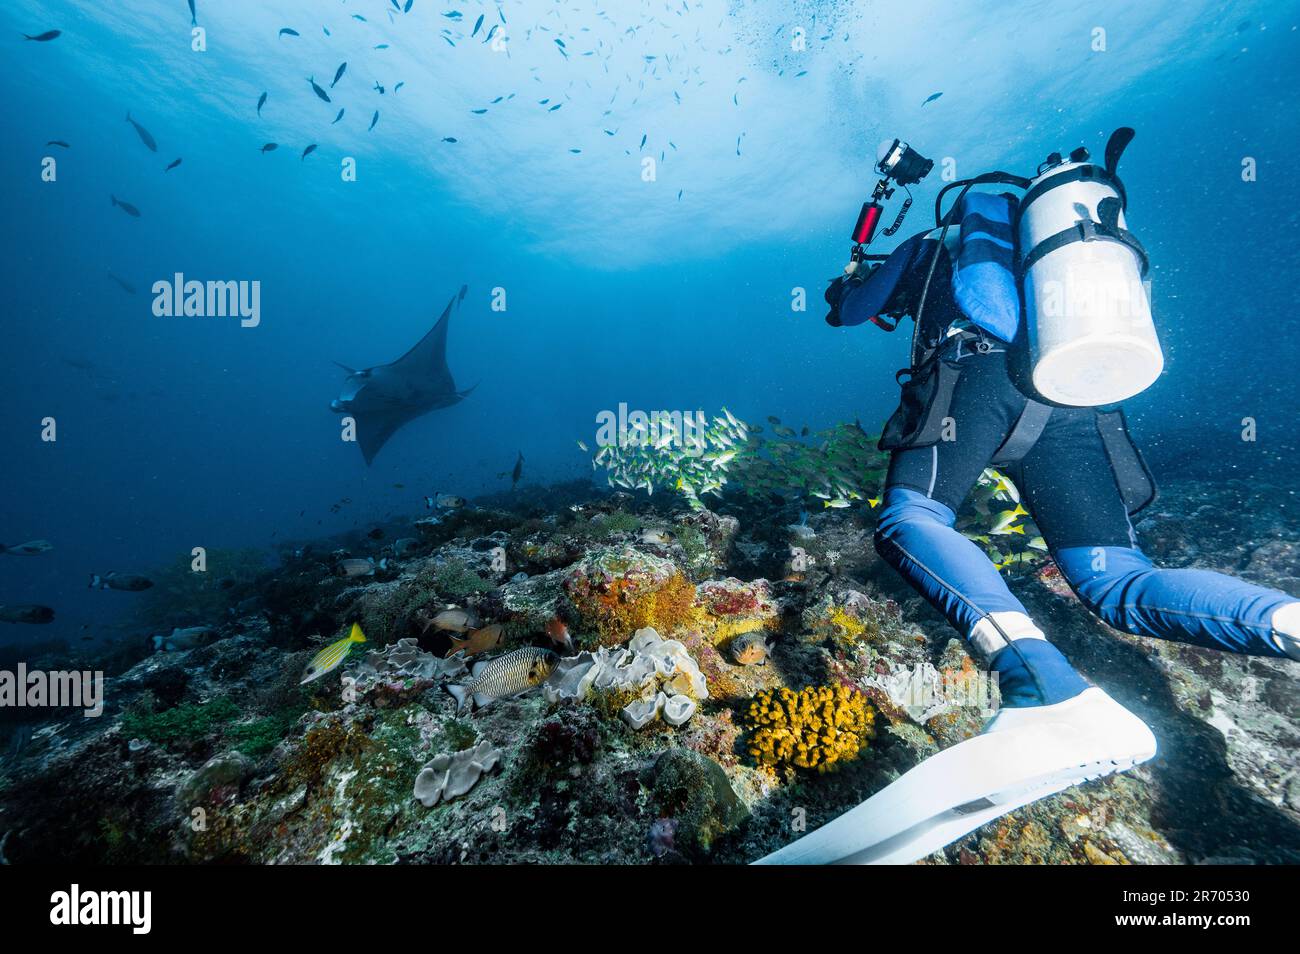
(724, 630)
(848, 627)
(812, 729)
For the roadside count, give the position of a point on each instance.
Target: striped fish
(332, 656)
(507, 675)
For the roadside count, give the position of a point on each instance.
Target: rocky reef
(716, 701)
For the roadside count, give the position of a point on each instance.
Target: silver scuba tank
(1087, 311)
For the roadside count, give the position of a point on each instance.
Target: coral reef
(651, 677)
(666, 605)
(614, 591)
(815, 728)
(451, 775)
(403, 665)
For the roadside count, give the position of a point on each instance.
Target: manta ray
(383, 398)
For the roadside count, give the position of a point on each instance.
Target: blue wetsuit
(1068, 486)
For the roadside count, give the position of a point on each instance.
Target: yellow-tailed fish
(332, 656)
(1007, 518)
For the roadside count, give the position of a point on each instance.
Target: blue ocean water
(762, 121)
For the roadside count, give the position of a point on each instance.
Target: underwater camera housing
(900, 165)
(904, 164)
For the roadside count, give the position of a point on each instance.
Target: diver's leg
(1201, 607)
(1070, 490)
(915, 535)
(1053, 730)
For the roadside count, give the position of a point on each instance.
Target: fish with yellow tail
(332, 656)
(505, 676)
(1004, 522)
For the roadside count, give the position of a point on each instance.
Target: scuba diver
(1031, 323)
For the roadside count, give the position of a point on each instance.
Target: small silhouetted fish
(261, 101)
(307, 152)
(357, 16)
(181, 639)
(643, 139)
(58, 142)
(338, 117)
(126, 286)
(194, 17)
(270, 147)
(380, 88)
(376, 534)
(285, 31)
(126, 207)
(327, 31)
(338, 73)
(174, 163)
(26, 612)
(409, 4)
(44, 37)
(450, 139)
(932, 97)
(477, 24)
(30, 548)
(399, 86)
(317, 90)
(373, 120)
(127, 582)
(478, 112)
(144, 134)
(356, 567)
(555, 107)
(381, 46)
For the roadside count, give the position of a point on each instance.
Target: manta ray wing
(374, 428)
(424, 367)
(387, 397)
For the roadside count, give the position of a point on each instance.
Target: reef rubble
(639, 747)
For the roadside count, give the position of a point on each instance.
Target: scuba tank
(1088, 316)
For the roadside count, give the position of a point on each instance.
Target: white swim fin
(1024, 754)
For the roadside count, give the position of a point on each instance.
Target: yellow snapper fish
(332, 656)
(1007, 518)
(505, 676)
